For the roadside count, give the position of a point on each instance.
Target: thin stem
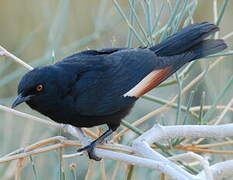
(4, 52)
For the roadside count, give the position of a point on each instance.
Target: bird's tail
(208, 47)
(175, 51)
(189, 39)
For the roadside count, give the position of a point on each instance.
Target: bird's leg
(90, 148)
(77, 132)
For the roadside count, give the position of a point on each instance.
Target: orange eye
(39, 87)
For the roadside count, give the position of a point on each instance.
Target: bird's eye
(39, 87)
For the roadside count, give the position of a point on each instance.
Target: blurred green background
(42, 32)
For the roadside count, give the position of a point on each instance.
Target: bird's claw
(90, 151)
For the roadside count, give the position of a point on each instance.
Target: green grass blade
(178, 112)
(171, 19)
(211, 111)
(120, 10)
(130, 33)
(221, 12)
(137, 20)
(201, 112)
(33, 168)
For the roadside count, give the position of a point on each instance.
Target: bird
(95, 87)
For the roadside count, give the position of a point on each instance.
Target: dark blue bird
(97, 87)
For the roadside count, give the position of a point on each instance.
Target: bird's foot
(91, 151)
(91, 147)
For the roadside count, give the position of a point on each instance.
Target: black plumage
(96, 87)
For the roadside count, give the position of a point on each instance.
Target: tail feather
(203, 49)
(208, 47)
(177, 50)
(184, 39)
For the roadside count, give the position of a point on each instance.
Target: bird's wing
(89, 53)
(167, 66)
(152, 80)
(130, 74)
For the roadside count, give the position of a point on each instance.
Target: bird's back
(103, 79)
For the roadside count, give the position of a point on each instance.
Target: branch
(220, 170)
(66, 128)
(142, 148)
(190, 155)
(36, 148)
(157, 133)
(143, 162)
(205, 108)
(4, 52)
(31, 117)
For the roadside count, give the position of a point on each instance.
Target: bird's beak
(20, 99)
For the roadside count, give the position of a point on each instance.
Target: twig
(220, 170)
(90, 170)
(4, 52)
(103, 170)
(187, 131)
(61, 141)
(66, 128)
(203, 162)
(205, 108)
(34, 152)
(215, 10)
(224, 112)
(31, 117)
(214, 145)
(194, 149)
(157, 133)
(10, 171)
(228, 35)
(215, 122)
(19, 166)
(116, 169)
(144, 162)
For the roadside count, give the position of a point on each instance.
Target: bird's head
(37, 87)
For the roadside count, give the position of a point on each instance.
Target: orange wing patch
(152, 80)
